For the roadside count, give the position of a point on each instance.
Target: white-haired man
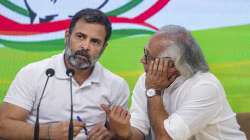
(177, 98)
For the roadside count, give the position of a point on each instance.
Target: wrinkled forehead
(158, 43)
(160, 40)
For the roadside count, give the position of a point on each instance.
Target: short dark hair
(92, 16)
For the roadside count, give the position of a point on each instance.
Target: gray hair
(184, 49)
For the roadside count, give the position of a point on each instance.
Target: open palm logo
(52, 10)
(46, 20)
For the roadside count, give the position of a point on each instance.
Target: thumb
(105, 108)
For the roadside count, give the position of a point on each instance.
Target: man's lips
(82, 57)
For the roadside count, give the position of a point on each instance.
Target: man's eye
(96, 42)
(80, 36)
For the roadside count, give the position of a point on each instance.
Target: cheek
(73, 46)
(172, 71)
(96, 52)
(145, 66)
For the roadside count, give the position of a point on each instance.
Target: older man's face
(155, 48)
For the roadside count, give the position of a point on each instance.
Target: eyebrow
(80, 33)
(92, 38)
(97, 40)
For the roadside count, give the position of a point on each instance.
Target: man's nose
(85, 45)
(143, 60)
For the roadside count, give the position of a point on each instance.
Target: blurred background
(31, 30)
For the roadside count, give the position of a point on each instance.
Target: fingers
(59, 130)
(117, 114)
(158, 66)
(93, 131)
(159, 75)
(78, 123)
(78, 126)
(165, 66)
(104, 135)
(76, 131)
(150, 67)
(162, 67)
(155, 66)
(118, 111)
(99, 132)
(105, 108)
(128, 116)
(124, 113)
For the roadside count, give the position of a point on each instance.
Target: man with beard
(177, 98)
(93, 85)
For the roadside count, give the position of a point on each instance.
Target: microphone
(70, 73)
(49, 73)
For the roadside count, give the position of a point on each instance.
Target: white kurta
(197, 108)
(102, 87)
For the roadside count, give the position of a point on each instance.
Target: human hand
(161, 74)
(59, 131)
(118, 120)
(100, 132)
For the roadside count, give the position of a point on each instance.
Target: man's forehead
(159, 41)
(162, 37)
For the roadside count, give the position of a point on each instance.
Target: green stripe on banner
(58, 44)
(227, 51)
(124, 8)
(129, 32)
(50, 45)
(14, 7)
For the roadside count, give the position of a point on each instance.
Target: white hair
(184, 50)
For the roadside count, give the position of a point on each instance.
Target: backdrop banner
(33, 20)
(31, 30)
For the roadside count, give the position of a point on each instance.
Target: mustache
(82, 53)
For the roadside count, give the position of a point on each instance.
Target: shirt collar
(177, 83)
(95, 76)
(60, 70)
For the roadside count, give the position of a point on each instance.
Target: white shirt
(197, 108)
(102, 87)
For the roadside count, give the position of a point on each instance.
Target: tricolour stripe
(60, 34)
(9, 27)
(14, 7)
(152, 10)
(124, 8)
